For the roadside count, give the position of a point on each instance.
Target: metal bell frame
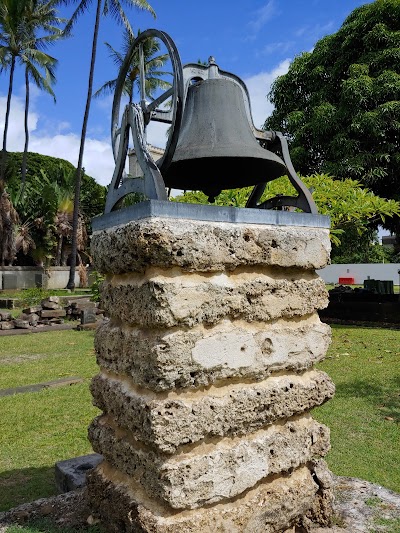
(136, 117)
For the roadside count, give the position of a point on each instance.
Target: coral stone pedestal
(207, 371)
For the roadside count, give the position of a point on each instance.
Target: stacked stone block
(207, 377)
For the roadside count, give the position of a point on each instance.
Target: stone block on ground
(32, 309)
(33, 319)
(21, 324)
(5, 316)
(7, 325)
(71, 473)
(52, 313)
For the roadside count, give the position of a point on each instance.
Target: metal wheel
(151, 111)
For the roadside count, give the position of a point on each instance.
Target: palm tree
(27, 27)
(114, 8)
(41, 17)
(8, 219)
(152, 64)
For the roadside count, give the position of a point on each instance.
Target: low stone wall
(206, 377)
(16, 277)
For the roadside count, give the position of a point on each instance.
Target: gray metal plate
(160, 209)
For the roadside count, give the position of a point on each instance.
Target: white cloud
(98, 160)
(259, 86)
(314, 33)
(277, 48)
(261, 16)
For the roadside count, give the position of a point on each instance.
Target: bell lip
(222, 173)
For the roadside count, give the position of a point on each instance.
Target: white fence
(360, 272)
(27, 277)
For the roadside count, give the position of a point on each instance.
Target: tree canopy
(45, 210)
(340, 104)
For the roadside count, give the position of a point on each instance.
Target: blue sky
(255, 39)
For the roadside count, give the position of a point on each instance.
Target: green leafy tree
(115, 9)
(351, 207)
(44, 236)
(153, 62)
(340, 104)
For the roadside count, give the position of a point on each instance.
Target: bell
(212, 144)
(216, 147)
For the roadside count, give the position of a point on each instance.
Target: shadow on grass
(385, 398)
(26, 485)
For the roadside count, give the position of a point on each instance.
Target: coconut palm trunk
(25, 154)
(78, 175)
(6, 121)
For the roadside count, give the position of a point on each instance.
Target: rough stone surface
(170, 298)
(167, 421)
(214, 472)
(180, 358)
(270, 507)
(205, 246)
(7, 325)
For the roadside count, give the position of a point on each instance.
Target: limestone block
(169, 359)
(207, 246)
(272, 506)
(211, 472)
(170, 298)
(169, 420)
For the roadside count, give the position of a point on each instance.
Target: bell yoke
(212, 143)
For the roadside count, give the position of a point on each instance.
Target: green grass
(39, 357)
(38, 429)
(21, 293)
(364, 415)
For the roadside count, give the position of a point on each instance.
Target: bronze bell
(212, 144)
(216, 147)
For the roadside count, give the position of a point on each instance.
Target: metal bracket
(151, 185)
(303, 201)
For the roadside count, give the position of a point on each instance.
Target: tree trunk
(25, 154)
(78, 175)
(59, 250)
(6, 120)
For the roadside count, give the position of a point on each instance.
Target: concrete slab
(71, 473)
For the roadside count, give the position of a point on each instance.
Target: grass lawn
(364, 415)
(39, 428)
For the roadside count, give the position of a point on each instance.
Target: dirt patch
(22, 358)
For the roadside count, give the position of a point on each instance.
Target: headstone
(88, 315)
(10, 281)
